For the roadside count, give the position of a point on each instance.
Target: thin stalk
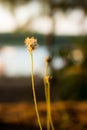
(34, 95)
(47, 96)
(45, 73)
(48, 114)
(49, 107)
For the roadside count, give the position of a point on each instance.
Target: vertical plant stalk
(49, 107)
(34, 95)
(45, 85)
(47, 96)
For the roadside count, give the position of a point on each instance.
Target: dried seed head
(47, 78)
(31, 43)
(48, 59)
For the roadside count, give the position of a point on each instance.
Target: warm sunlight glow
(41, 25)
(70, 23)
(7, 23)
(77, 56)
(27, 12)
(30, 16)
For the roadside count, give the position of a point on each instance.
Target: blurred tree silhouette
(72, 78)
(12, 5)
(50, 6)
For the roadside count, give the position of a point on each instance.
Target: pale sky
(73, 23)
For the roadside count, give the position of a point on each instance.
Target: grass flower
(47, 79)
(31, 44)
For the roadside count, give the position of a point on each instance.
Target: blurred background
(60, 27)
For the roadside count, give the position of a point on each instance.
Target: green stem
(34, 95)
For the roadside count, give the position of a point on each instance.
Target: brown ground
(65, 115)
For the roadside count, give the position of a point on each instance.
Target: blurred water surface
(15, 60)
